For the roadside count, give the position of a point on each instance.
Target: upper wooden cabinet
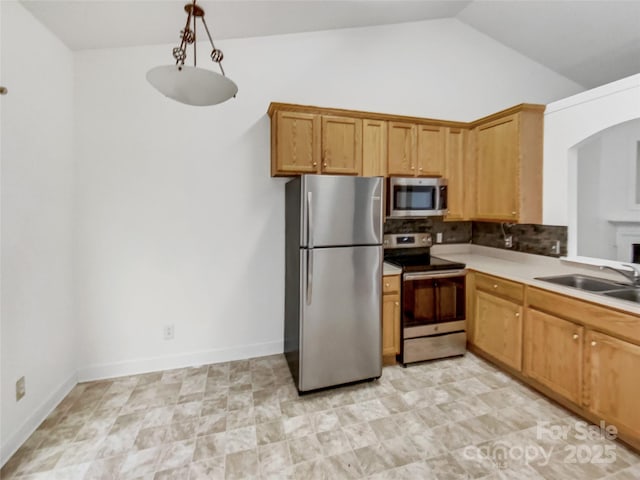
(341, 145)
(311, 143)
(430, 156)
(493, 165)
(295, 143)
(508, 166)
(456, 172)
(374, 148)
(416, 150)
(401, 156)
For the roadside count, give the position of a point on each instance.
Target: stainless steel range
(433, 299)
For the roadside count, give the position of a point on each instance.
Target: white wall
(178, 220)
(606, 166)
(37, 329)
(593, 229)
(569, 122)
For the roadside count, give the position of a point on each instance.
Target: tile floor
(449, 419)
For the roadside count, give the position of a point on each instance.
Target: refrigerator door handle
(377, 212)
(309, 275)
(309, 220)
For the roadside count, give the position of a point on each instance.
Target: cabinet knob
(413, 168)
(420, 169)
(513, 213)
(495, 285)
(324, 164)
(517, 315)
(397, 303)
(593, 343)
(387, 284)
(576, 336)
(315, 164)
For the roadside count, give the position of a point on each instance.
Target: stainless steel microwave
(416, 197)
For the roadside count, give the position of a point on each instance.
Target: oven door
(433, 303)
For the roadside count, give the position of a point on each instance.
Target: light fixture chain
(215, 53)
(180, 53)
(195, 38)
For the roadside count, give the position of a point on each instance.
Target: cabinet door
(390, 325)
(497, 170)
(612, 382)
(401, 149)
(341, 145)
(374, 148)
(297, 141)
(454, 172)
(430, 153)
(553, 353)
(498, 328)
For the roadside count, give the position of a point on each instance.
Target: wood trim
(522, 107)
(276, 106)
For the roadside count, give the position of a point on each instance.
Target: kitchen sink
(583, 282)
(629, 294)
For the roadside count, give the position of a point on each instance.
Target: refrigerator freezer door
(340, 324)
(340, 210)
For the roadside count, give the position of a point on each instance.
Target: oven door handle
(409, 277)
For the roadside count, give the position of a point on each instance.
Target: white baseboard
(145, 365)
(11, 444)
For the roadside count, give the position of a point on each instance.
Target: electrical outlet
(508, 241)
(555, 248)
(439, 237)
(21, 389)
(168, 332)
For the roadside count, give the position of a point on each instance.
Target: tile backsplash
(452, 232)
(548, 240)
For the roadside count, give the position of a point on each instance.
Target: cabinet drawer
(391, 284)
(501, 287)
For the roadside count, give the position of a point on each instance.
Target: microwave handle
(442, 198)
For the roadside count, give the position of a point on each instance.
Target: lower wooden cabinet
(553, 353)
(612, 381)
(585, 356)
(498, 328)
(497, 318)
(390, 318)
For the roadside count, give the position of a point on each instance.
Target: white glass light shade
(192, 85)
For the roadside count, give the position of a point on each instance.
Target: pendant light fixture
(193, 85)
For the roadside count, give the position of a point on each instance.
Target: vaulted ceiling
(589, 41)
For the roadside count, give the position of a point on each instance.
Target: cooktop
(412, 252)
(422, 263)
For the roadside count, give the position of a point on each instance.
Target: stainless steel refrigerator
(333, 279)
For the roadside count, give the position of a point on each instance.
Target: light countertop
(389, 269)
(523, 268)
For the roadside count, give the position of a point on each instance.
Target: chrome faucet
(633, 275)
